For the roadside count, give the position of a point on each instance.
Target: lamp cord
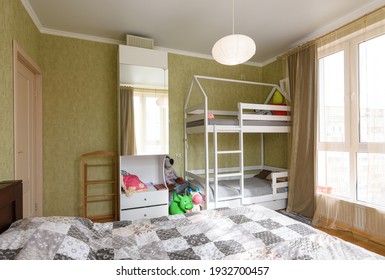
(233, 18)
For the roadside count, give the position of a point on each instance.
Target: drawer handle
(145, 199)
(145, 215)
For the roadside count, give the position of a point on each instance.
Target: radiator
(342, 212)
(359, 217)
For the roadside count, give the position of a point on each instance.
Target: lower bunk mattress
(246, 232)
(253, 187)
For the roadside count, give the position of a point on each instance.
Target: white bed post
(215, 138)
(185, 130)
(206, 135)
(241, 160)
(262, 152)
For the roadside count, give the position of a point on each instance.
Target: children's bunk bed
(237, 185)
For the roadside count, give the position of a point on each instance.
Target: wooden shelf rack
(98, 164)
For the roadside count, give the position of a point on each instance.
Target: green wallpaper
(15, 24)
(276, 145)
(79, 114)
(79, 103)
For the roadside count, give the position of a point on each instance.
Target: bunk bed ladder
(239, 173)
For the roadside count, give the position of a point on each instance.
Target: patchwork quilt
(248, 232)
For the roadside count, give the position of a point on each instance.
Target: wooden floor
(358, 240)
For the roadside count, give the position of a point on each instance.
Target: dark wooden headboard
(11, 203)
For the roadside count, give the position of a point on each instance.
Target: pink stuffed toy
(196, 198)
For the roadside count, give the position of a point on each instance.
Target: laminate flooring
(356, 239)
(345, 235)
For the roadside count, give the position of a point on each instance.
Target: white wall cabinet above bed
(151, 202)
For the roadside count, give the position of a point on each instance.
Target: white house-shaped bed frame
(247, 121)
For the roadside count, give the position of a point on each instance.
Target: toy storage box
(152, 202)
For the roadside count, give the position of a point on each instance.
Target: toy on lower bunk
(196, 198)
(180, 204)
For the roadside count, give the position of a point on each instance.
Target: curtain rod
(141, 88)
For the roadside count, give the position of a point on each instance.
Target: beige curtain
(127, 123)
(333, 212)
(302, 82)
(340, 214)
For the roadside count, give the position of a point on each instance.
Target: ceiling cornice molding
(270, 60)
(32, 14)
(319, 32)
(330, 27)
(200, 55)
(338, 23)
(80, 36)
(56, 32)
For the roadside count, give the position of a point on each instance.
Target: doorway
(28, 130)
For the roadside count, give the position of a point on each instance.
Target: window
(151, 121)
(332, 119)
(351, 119)
(372, 90)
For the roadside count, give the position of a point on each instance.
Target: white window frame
(352, 145)
(163, 143)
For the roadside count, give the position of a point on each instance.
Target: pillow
(264, 174)
(268, 177)
(132, 183)
(279, 113)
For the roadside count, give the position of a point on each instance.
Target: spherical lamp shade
(233, 49)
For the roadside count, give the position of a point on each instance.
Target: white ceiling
(193, 26)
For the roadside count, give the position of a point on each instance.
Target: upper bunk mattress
(236, 122)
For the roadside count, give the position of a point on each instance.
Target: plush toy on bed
(278, 99)
(181, 204)
(171, 178)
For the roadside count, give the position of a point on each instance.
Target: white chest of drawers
(146, 204)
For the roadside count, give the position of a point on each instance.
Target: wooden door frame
(19, 55)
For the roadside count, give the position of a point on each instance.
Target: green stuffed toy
(180, 204)
(278, 98)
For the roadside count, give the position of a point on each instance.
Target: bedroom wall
(79, 102)
(79, 114)
(276, 145)
(15, 23)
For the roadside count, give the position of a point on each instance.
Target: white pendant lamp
(233, 49)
